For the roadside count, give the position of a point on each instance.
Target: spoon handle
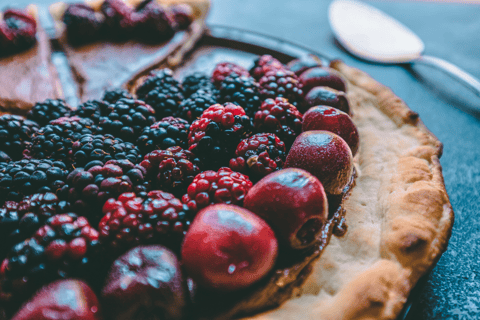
(452, 70)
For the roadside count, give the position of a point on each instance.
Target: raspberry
(264, 64)
(192, 108)
(43, 112)
(222, 186)
(259, 155)
(65, 246)
(279, 117)
(214, 137)
(153, 22)
(112, 96)
(23, 29)
(88, 189)
(224, 69)
(15, 133)
(130, 221)
(82, 24)
(241, 90)
(126, 119)
(168, 132)
(281, 83)
(171, 170)
(19, 220)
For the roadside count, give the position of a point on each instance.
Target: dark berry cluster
(93, 110)
(281, 83)
(224, 69)
(15, 133)
(169, 132)
(264, 64)
(241, 90)
(17, 31)
(43, 112)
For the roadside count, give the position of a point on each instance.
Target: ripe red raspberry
(259, 155)
(224, 69)
(222, 186)
(130, 221)
(171, 170)
(214, 137)
(264, 64)
(279, 117)
(281, 83)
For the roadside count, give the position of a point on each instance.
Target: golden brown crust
(399, 215)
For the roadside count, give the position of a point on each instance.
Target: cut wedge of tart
(28, 76)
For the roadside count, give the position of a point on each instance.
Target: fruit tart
(109, 41)
(27, 73)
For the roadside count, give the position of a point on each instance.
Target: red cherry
(321, 77)
(63, 299)
(333, 120)
(228, 248)
(325, 155)
(293, 202)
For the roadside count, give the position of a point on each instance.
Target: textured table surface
(450, 31)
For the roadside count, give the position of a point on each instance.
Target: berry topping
(325, 96)
(222, 186)
(241, 90)
(171, 170)
(66, 246)
(279, 117)
(119, 23)
(43, 112)
(131, 221)
(259, 155)
(192, 108)
(145, 283)
(224, 69)
(264, 64)
(82, 23)
(214, 137)
(294, 204)
(168, 132)
(112, 96)
(325, 155)
(15, 133)
(333, 120)
(322, 77)
(153, 22)
(281, 83)
(126, 119)
(22, 27)
(62, 299)
(228, 248)
(183, 15)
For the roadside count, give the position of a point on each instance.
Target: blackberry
(165, 100)
(126, 119)
(43, 112)
(65, 246)
(98, 149)
(197, 81)
(131, 221)
(92, 110)
(88, 189)
(55, 140)
(279, 117)
(241, 90)
(15, 133)
(171, 170)
(259, 155)
(263, 64)
(281, 83)
(160, 78)
(26, 177)
(214, 137)
(4, 157)
(224, 69)
(119, 23)
(222, 186)
(82, 23)
(154, 23)
(192, 108)
(19, 220)
(112, 96)
(22, 29)
(168, 132)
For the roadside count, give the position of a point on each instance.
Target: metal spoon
(372, 35)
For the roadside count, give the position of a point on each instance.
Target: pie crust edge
(399, 215)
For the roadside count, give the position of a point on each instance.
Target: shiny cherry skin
(333, 120)
(325, 96)
(298, 66)
(293, 202)
(325, 155)
(228, 248)
(145, 283)
(62, 299)
(321, 77)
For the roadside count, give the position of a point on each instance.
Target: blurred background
(450, 30)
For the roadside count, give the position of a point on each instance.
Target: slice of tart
(126, 38)
(27, 74)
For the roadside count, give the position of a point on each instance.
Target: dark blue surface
(450, 31)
